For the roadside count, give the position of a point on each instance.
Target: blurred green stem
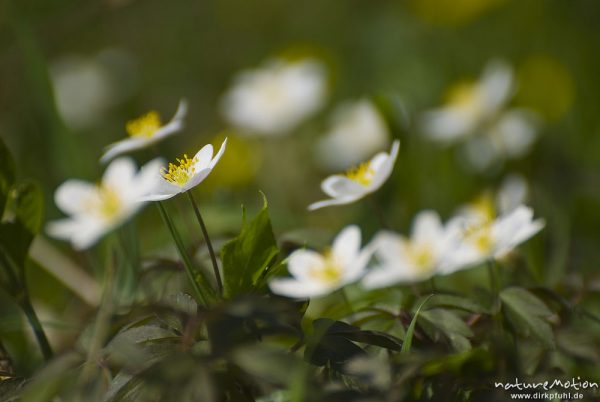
(342, 292)
(378, 211)
(36, 325)
(211, 251)
(494, 285)
(182, 252)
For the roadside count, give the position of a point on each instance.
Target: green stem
(189, 269)
(494, 285)
(342, 292)
(211, 251)
(36, 325)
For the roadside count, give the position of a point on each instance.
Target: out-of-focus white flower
(470, 105)
(403, 260)
(146, 130)
(85, 87)
(275, 98)
(96, 209)
(185, 175)
(512, 193)
(489, 238)
(360, 181)
(510, 136)
(357, 131)
(316, 274)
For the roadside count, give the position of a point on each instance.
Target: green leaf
(7, 175)
(23, 222)
(528, 315)
(411, 328)
(449, 324)
(456, 302)
(247, 258)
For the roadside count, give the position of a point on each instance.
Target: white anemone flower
(360, 181)
(316, 274)
(357, 131)
(145, 131)
(408, 260)
(185, 175)
(96, 209)
(488, 239)
(470, 105)
(275, 98)
(510, 136)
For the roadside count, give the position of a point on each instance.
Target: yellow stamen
(484, 207)
(180, 173)
(362, 174)
(144, 126)
(482, 239)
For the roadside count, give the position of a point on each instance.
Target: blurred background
(74, 72)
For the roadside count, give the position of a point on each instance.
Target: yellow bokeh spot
(179, 173)
(144, 126)
(238, 166)
(546, 86)
(451, 12)
(362, 174)
(464, 95)
(484, 207)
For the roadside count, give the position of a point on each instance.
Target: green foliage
(23, 220)
(247, 259)
(528, 315)
(7, 175)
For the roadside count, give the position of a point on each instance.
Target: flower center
(330, 272)
(465, 96)
(362, 174)
(144, 126)
(422, 255)
(481, 237)
(105, 203)
(181, 172)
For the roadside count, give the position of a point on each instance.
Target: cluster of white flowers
(477, 114)
(96, 209)
(475, 235)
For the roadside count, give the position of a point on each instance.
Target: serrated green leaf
(24, 220)
(527, 314)
(7, 174)
(247, 257)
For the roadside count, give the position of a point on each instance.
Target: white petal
(298, 289)
(120, 174)
(124, 146)
(384, 168)
(333, 201)
(427, 227)
(301, 262)
(447, 124)
(218, 155)
(71, 196)
(338, 186)
(196, 179)
(346, 246)
(63, 229)
(203, 157)
(160, 190)
(495, 85)
(512, 193)
(149, 177)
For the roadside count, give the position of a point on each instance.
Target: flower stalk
(211, 251)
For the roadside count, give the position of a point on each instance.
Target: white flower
(146, 130)
(357, 131)
(96, 209)
(317, 274)
(509, 136)
(403, 260)
(360, 181)
(185, 175)
(485, 239)
(470, 105)
(274, 99)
